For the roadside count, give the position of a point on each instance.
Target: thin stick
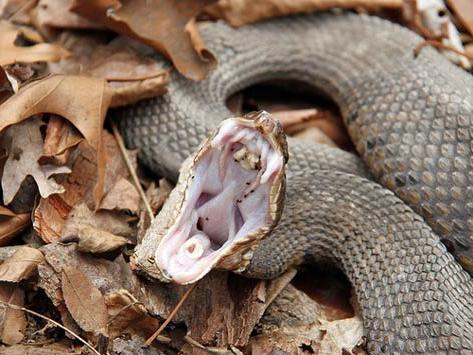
(438, 44)
(170, 317)
(83, 341)
(132, 171)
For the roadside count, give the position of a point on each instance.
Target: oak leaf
(53, 212)
(130, 73)
(165, 25)
(24, 145)
(81, 100)
(11, 53)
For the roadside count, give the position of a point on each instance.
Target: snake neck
(414, 297)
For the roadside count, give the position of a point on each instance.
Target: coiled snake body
(411, 120)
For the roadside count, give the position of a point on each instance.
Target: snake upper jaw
(228, 197)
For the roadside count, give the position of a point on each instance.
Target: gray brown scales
(411, 121)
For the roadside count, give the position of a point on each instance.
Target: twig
(83, 341)
(170, 317)
(438, 44)
(132, 171)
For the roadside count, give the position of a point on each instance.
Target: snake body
(411, 120)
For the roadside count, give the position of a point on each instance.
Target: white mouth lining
(228, 199)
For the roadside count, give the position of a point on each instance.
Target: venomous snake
(411, 121)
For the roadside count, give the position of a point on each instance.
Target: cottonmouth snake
(411, 120)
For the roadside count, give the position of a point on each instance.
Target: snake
(397, 218)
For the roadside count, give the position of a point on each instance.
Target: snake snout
(232, 198)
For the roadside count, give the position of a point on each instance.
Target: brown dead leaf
(21, 265)
(51, 213)
(11, 224)
(165, 25)
(82, 100)
(56, 13)
(24, 145)
(91, 238)
(241, 12)
(11, 53)
(61, 136)
(84, 301)
(125, 311)
(294, 322)
(122, 196)
(131, 75)
(12, 321)
(463, 9)
(329, 126)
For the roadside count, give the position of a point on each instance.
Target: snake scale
(411, 120)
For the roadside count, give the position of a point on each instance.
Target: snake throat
(228, 199)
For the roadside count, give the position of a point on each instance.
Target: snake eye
(228, 201)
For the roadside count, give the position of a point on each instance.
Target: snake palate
(228, 196)
(381, 216)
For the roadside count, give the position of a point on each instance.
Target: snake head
(228, 197)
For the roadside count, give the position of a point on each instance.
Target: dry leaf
(21, 265)
(10, 53)
(51, 213)
(165, 25)
(24, 145)
(122, 196)
(131, 76)
(241, 12)
(84, 301)
(125, 311)
(12, 321)
(61, 136)
(341, 336)
(91, 238)
(82, 100)
(463, 9)
(11, 224)
(329, 126)
(296, 324)
(56, 13)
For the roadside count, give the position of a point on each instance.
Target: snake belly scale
(411, 121)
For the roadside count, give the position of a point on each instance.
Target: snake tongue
(227, 200)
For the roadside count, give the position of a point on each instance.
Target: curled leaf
(11, 53)
(21, 265)
(24, 145)
(163, 25)
(82, 100)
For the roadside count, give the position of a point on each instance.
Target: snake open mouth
(228, 198)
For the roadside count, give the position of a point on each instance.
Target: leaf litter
(64, 171)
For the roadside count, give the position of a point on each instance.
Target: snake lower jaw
(231, 197)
